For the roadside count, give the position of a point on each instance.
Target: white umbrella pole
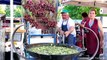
(11, 24)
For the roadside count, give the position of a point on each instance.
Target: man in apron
(66, 27)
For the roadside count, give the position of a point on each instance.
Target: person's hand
(101, 44)
(101, 40)
(76, 23)
(67, 33)
(61, 32)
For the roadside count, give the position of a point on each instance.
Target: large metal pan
(54, 57)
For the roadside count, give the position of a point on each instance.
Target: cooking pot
(53, 57)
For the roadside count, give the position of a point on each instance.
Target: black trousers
(7, 56)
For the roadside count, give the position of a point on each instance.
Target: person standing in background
(91, 40)
(81, 35)
(84, 19)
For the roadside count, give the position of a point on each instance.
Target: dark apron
(70, 39)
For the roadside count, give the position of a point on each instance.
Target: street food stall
(43, 17)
